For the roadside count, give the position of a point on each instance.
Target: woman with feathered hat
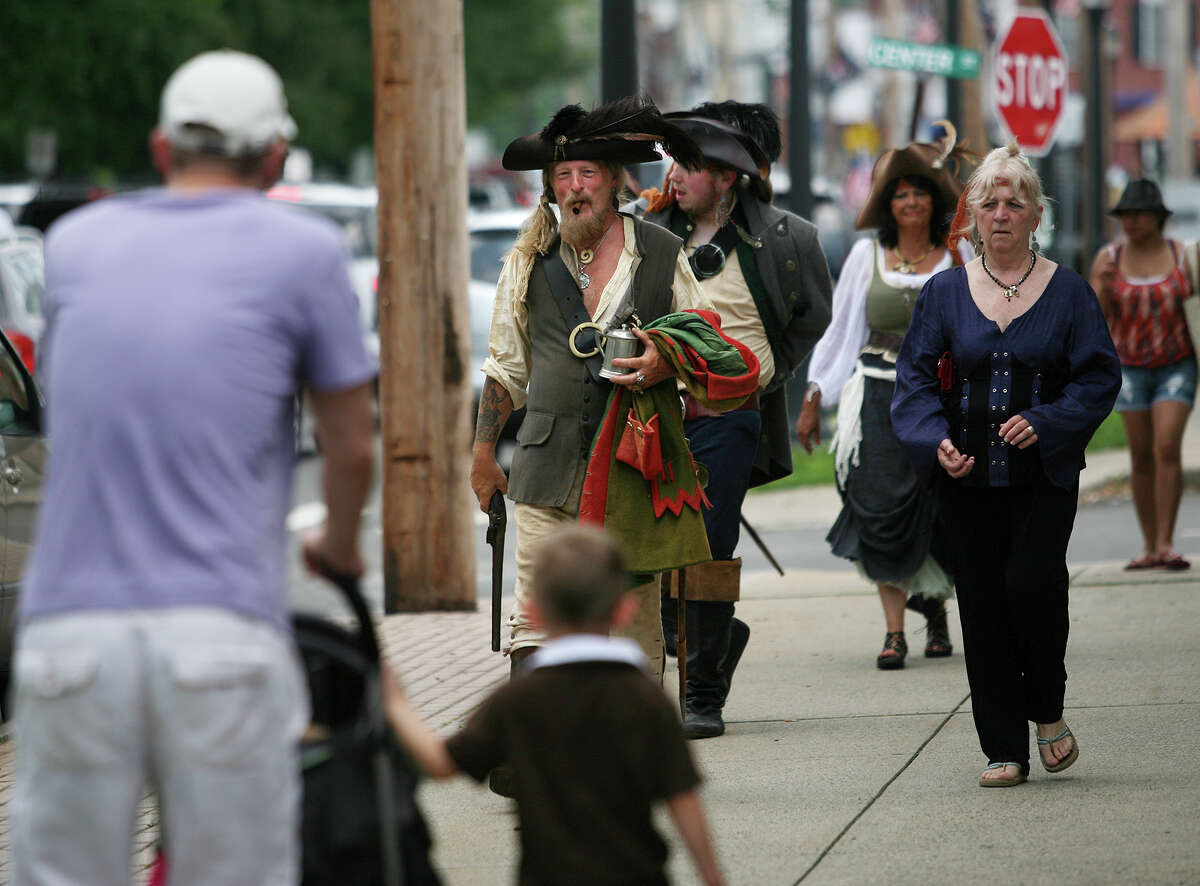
(887, 521)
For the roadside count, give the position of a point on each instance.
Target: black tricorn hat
(1140, 195)
(622, 131)
(721, 143)
(754, 126)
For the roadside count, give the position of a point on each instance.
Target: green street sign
(924, 58)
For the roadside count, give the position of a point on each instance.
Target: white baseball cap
(238, 95)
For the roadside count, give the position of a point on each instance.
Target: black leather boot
(500, 779)
(709, 671)
(937, 631)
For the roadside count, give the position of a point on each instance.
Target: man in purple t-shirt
(153, 638)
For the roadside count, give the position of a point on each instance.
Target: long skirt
(889, 520)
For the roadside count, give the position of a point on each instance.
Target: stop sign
(1029, 81)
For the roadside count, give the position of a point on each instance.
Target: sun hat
(225, 102)
(1140, 195)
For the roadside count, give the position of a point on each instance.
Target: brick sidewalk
(444, 660)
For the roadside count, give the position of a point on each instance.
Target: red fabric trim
(594, 497)
(693, 500)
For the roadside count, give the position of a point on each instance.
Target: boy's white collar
(574, 648)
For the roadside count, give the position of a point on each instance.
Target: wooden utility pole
(424, 328)
(1181, 153)
(973, 99)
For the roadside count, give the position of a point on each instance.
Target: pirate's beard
(581, 231)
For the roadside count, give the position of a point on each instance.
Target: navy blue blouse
(1055, 365)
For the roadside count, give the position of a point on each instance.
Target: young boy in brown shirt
(592, 742)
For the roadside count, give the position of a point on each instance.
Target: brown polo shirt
(592, 745)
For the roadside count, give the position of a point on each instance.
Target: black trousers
(726, 446)
(1008, 547)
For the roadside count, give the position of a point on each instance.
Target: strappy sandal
(1146, 561)
(1065, 761)
(894, 650)
(1173, 562)
(1020, 778)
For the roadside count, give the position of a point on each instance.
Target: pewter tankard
(617, 344)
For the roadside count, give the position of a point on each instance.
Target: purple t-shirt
(179, 328)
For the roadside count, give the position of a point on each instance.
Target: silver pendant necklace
(1008, 290)
(587, 256)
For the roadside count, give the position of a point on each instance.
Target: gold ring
(587, 324)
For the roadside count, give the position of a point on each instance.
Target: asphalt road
(1103, 531)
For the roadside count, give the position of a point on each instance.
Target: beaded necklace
(1010, 289)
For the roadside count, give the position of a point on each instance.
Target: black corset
(981, 401)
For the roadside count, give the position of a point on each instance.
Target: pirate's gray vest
(566, 404)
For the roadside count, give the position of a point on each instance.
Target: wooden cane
(681, 640)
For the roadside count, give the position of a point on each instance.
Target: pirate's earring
(724, 209)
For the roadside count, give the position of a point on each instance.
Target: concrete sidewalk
(834, 772)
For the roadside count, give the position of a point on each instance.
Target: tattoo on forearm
(495, 406)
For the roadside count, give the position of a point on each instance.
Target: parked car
(492, 235)
(22, 276)
(353, 210)
(22, 466)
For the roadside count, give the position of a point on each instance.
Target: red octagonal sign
(1029, 81)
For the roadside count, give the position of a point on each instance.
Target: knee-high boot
(716, 641)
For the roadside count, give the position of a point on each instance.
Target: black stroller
(361, 824)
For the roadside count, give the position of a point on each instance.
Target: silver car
(22, 274)
(22, 465)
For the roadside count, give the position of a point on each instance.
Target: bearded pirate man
(766, 275)
(597, 266)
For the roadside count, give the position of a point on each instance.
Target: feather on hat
(621, 131)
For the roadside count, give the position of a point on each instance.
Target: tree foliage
(521, 56)
(93, 72)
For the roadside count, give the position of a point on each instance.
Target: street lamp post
(618, 49)
(953, 87)
(800, 200)
(1094, 196)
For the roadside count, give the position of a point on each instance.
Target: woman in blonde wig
(1005, 373)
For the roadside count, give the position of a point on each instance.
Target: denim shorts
(1141, 387)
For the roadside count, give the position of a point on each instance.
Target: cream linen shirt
(508, 343)
(739, 315)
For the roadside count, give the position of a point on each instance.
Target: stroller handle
(351, 588)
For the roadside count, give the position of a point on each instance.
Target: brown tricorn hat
(917, 158)
(622, 131)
